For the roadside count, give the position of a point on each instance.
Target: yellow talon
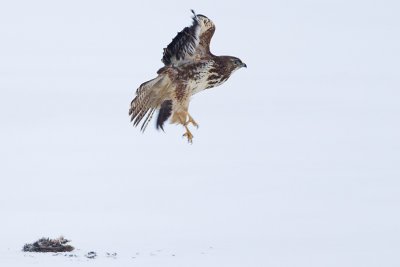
(188, 135)
(192, 121)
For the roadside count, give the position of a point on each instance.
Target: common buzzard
(189, 68)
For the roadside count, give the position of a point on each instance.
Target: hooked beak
(244, 65)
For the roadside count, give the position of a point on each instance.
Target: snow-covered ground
(296, 161)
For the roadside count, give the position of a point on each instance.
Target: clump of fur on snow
(49, 245)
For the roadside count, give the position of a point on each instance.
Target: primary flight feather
(189, 68)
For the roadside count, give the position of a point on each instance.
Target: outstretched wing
(191, 42)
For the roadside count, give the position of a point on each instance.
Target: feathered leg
(181, 117)
(180, 111)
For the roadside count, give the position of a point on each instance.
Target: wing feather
(149, 96)
(191, 42)
(147, 120)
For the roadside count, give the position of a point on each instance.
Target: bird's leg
(188, 134)
(192, 121)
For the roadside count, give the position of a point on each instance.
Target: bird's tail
(149, 96)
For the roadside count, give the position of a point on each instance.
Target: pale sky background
(296, 161)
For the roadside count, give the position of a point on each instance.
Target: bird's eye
(237, 62)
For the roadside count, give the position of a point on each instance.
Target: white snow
(296, 161)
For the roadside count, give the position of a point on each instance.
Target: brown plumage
(189, 67)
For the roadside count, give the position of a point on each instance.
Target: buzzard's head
(236, 63)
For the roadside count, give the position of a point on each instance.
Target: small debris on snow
(49, 245)
(111, 255)
(91, 255)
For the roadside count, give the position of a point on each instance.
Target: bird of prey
(189, 67)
